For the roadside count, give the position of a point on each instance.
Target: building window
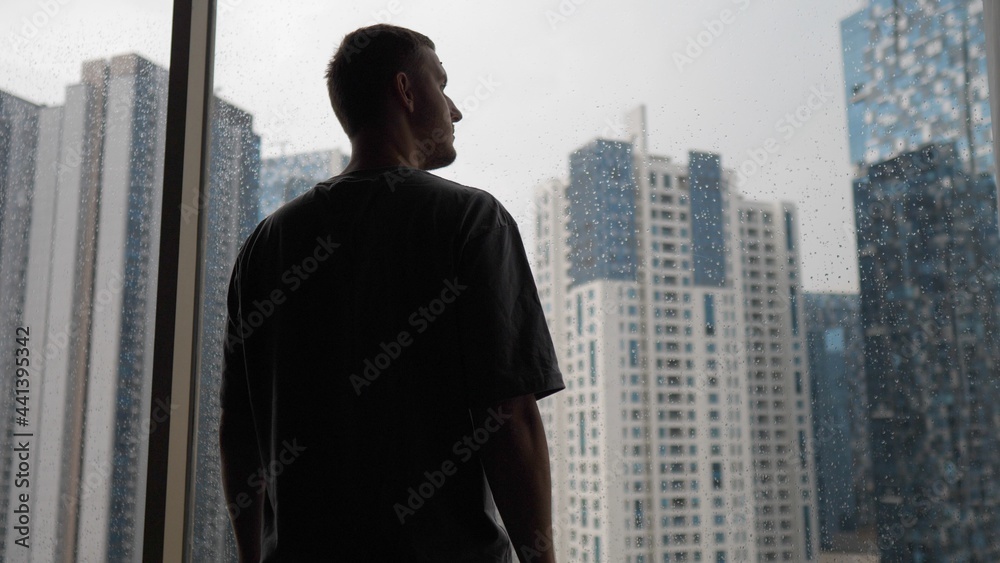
(709, 314)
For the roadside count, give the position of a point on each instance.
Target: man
(386, 347)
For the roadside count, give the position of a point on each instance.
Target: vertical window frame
(169, 477)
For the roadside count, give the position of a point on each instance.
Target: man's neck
(380, 150)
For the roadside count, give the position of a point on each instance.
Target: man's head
(388, 78)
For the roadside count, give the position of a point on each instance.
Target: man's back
(366, 318)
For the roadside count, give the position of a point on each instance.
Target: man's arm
(240, 460)
(238, 451)
(516, 461)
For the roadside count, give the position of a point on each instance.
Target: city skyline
(552, 87)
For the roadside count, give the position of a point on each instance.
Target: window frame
(170, 470)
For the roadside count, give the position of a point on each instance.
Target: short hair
(361, 70)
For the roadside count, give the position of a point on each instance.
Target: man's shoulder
(479, 210)
(475, 210)
(469, 210)
(422, 179)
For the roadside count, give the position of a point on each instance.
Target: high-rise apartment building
(63, 247)
(665, 446)
(930, 307)
(232, 207)
(117, 410)
(96, 175)
(840, 418)
(36, 308)
(551, 270)
(777, 372)
(18, 145)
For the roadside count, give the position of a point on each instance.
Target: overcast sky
(552, 75)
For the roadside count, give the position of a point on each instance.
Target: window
(709, 314)
(79, 280)
(83, 119)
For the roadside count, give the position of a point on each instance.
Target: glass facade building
(716, 411)
(840, 417)
(926, 218)
(929, 259)
(915, 73)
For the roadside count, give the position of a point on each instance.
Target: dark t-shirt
(366, 317)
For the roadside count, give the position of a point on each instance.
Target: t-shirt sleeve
(506, 347)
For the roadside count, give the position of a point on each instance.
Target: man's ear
(402, 89)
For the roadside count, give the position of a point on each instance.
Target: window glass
(837, 225)
(82, 127)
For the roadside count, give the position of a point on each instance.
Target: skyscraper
(90, 257)
(233, 209)
(117, 410)
(657, 452)
(36, 308)
(551, 278)
(840, 418)
(926, 215)
(777, 372)
(64, 246)
(915, 73)
(930, 307)
(18, 144)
